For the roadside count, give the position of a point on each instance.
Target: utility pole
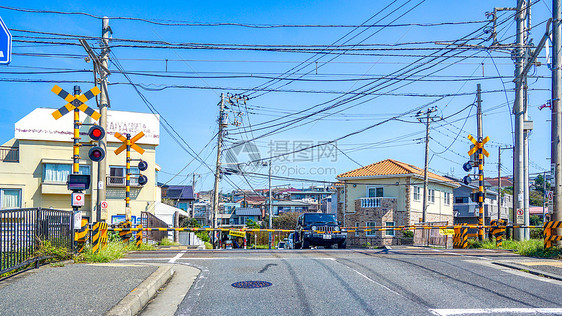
(500, 178)
(222, 124)
(428, 119)
(519, 112)
(480, 137)
(556, 148)
(270, 205)
(104, 101)
(543, 195)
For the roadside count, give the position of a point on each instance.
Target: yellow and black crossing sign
(98, 236)
(132, 143)
(74, 102)
(139, 236)
(478, 145)
(125, 235)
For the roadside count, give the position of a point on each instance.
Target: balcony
(374, 202)
(116, 181)
(9, 154)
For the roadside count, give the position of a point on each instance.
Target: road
(406, 281)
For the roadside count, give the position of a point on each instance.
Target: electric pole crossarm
(535, 54)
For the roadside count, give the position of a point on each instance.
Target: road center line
(480, 311)
(373, 281)
(179, 255)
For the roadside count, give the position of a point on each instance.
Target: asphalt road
(361, 282)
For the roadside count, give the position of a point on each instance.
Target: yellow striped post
(81, 236)
(96, 237)
(125, 234)
(139, 236)
(103, 235)
(548, 236)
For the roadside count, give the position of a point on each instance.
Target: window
(117, 175)
(447, 198)
(417, 193)
(389, 232)
(183, 205)
(356, 229)
(373, 232)
(431, 195)
(460, 199)
(375, 192)
(10, 198)
(54, 172)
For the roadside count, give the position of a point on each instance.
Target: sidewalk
(81, 289)
(541, 267)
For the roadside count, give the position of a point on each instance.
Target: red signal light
(96, 153)
(96, 133)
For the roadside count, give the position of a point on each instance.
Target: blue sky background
(193, 112)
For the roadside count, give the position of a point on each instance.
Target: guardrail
(21, 231)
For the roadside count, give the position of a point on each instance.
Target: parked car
(290, 241)
(318, 229)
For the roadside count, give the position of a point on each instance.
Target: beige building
(390, 193)
(34, 165)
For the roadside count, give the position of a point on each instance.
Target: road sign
(133, 145)
(550, 195)
(446, 231)
(520, 217)
(76, 102)
(77, 199)
(104, 204)
(5, 44)
(478, 145)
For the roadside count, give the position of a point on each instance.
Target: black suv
(318, 229)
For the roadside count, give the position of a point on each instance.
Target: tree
(535, 220)
(535, 198)
(252, 224)
(286, 220)
(539, 181)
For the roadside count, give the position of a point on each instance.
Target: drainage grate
(251, 284)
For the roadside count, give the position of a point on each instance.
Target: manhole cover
(251, 284)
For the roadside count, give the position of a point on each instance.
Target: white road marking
(480, 311)
(375, 282)
(177, 256)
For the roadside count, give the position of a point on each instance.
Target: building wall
(27, 174)
(398, 206)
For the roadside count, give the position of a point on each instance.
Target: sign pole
(128, 174)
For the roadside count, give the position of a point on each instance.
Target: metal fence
(148, 220)
(21, 230)
(9, 154)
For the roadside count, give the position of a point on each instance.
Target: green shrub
(408, 233)
(46, 248)
(208, 245)
(167, 242)
(203, 236)
(366, 245)
(536, 233)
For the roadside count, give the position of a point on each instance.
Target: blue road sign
(5, 44)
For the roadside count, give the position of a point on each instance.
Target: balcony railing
(371, 202)
(9, 154)
(116, 181)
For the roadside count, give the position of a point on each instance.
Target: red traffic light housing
(96, 133)
(142, 179)
(96, 153)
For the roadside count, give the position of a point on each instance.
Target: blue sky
(193, 111)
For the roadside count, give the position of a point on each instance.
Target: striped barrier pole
(139, 236)
(96, 237)
(125, 234)
(103, 235)
(456, 237)
(81, 236)
(464, 237)
(548, 236)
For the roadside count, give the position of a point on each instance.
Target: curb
(532, 271)
(138, 297)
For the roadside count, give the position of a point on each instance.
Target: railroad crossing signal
(76, 102)
(478, 145)
(133, 145)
